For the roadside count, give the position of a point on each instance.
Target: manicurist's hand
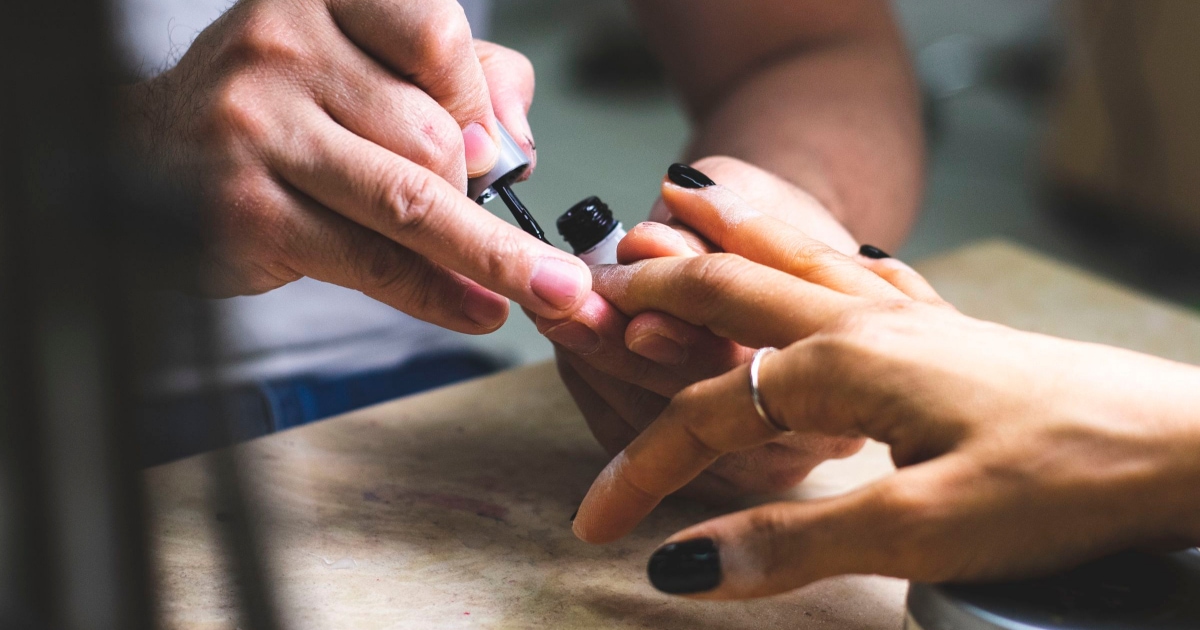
(337, 137)
(622, 371)
(1017, 453)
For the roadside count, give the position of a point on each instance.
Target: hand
(622, 372)
(1018, 454)
(337, 137)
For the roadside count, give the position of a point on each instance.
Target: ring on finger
(756, 395)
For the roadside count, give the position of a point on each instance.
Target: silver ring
(756, 396)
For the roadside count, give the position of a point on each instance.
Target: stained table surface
(451, 509)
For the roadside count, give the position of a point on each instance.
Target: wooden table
(451, 509)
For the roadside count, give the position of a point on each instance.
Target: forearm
(819, 93)
(840, 123)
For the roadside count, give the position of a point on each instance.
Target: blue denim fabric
(172, 428)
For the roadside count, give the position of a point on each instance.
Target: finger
(327, 247)
(510, 82)
(693, 350)
(803, 387)
(901, 276)
(637, 406)
(734, 226)
(375, 104)
(700, 424)
(909, 525)
(430, 44)
(607, 424)
(657, 240)
(750, 304)
(411, 206)
(611, 402)
(596, 333)
(779, 198)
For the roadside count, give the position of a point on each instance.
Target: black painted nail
(574, 515)
(691, 566)
(688, 177)
(870, 251)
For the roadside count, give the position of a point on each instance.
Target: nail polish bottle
(510, 164)
(1128, 591)
(592, 232)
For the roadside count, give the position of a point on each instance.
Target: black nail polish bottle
(592, 232)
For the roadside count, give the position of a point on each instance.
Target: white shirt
(306, 327)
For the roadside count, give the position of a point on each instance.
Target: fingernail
(557, 282)
(688, 177)
(574, 337)
(484, 307)
(870, 251)
(481, 150)
(659, 349)
(691, 566)
(573, 515)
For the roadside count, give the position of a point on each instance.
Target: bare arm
(817, 92)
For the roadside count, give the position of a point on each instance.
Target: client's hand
(1018, 453)
(622, 372)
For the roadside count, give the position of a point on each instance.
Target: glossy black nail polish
(870, 251)
(576, 513)
(688, 177)
(691, 566)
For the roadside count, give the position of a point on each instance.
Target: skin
(818, 93)
(795, 104)
(1017, 453)
(334, 139)
(623, 376)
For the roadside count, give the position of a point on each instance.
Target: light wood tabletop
(451, 509)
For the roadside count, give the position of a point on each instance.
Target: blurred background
(1001, 80)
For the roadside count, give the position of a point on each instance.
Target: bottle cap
(511, 163)
(586, 224)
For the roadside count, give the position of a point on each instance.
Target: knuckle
(246, 208)
(877, 321)
(882, 324)
(237, 115)
(496, 259)
(701, 445)
(706, 279)
(264, 38)
(410, 201)
(774, 539)
(413, 284)
(814, 254)
(249, 226)
(441, 146)
(375, 263)
(443, 38)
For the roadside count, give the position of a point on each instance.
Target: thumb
(895, 527)
(510, 81)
